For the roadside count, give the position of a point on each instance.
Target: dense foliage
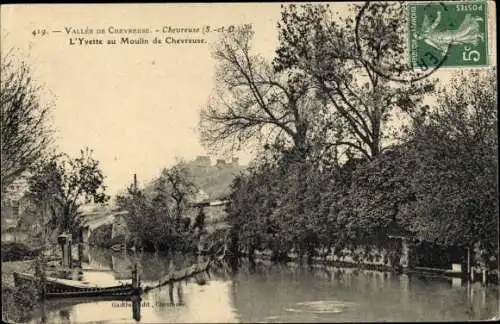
(102, 237)
(432, 179)
(61, 184)
(13, 251)
(439, 187)
(158, 220)
(25, 134)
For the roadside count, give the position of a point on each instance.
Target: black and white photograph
(253, 162)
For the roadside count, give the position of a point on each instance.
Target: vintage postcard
(249, 162)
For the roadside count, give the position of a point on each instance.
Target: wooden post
(64, 241)
(43, 311)
(180, 294)
(405, 251)
(468, 263)
(80, 253)
(171, 293)
(136, 307)
(70, 252)
(135, 278)
(63, 253)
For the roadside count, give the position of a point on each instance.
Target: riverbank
(492, 276)
(9, 267)
(286, 286)
(16, 251)
(376, 264)
(16, 303)
(283, 293)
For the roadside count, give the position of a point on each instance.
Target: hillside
(214, 181)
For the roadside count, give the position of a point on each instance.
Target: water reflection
(372, 296)
(136, 308)
(180, 294)
(277, 293)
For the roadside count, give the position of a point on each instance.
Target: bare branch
(25, 135)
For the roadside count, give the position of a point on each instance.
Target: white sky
(137, 106)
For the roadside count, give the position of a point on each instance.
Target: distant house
(213, 182)
(17, 210)
(95, 216)
(14, 200)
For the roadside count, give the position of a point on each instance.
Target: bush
(14, 251)
(101, 236)
(18, 304)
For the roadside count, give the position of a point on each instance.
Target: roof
(95, 215)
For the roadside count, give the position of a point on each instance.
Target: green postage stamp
(448, 34)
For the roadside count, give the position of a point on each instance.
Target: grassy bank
(14, 251)
(16, 303)
(8, 268)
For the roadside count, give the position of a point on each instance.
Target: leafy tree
(436, 184)
(179, 187)
(253, 198)
(24, 132)
(148, 219)
(65, 184)
(138, 218)
(272, 209)
(154, 218)
(456, 150)
(297, 207)
(380, 191)
(440, 186)
(339, 223)
(342, 59)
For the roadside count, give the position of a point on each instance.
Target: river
(277, 293)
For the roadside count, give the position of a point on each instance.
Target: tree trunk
(375, 144)
(300, 254)
(310, 255)
(233, 250)
(251, 254)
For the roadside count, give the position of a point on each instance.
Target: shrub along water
(157, 220)
(437, 186)
(15, 251)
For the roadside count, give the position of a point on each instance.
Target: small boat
(56, 287)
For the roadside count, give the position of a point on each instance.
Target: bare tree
(24, 131)
(363, 103)
(251, 102)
